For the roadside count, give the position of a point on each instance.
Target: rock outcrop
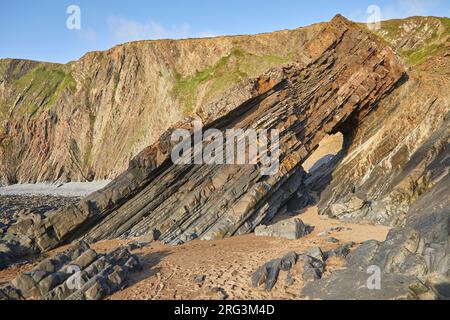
(78, 273)
(384, 167)
(289, 229)
(413, 262)
(393, 168)
(307, 267)
(348, 72)
(85, 120)
(351, 284)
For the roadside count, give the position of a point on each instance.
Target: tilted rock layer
(78, 273)
(394, 169)
(348, 72)
(392, 109)
(86, 119)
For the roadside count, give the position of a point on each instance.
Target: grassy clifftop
(227, 72)
(42, 86)
(30, 87)
(417, 39)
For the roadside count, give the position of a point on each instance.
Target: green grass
(391, 31)
(116, 79)
(3, 68)
(87, 156)
(433, 47)
(417, 57)
(3, 112)
(223, 75)
(3, 103)
(42, 86)
(446, 23)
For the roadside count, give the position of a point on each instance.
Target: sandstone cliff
(348, 72)
(383, 169)
(385, 91)
(85, 120)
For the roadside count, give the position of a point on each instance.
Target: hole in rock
(328, 148)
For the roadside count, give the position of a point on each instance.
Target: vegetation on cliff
(417, 39)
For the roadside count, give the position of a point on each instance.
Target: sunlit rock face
(347, 72)
(389, 107)
(85, 120)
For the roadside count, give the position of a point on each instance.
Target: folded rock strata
(385, 169)
(78, 273)
(86, 119)
(414, 260)
(348, 72)
(398, 153)
(394, 170)
(308, 266)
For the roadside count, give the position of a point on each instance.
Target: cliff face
(394, 168)
(383, 170)
(87, 119)
(347, 73)
(387, 92)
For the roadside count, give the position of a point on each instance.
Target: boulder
(267, 275)
(23, 283)
(199, 279)
(77, 273)
(288, 261)
(341, 252)
(307, 266)
(351, 284)
(315, 253)
(8, 292)
(291, 229)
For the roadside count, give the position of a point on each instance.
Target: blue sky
(37, 29)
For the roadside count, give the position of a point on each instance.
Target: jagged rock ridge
(349, 71)
(393, 170)
(85, 120)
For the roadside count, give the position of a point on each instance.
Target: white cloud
(206, 34)
(124, 30)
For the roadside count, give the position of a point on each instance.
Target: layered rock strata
(86, 119)
(78, 273)
(348, 73)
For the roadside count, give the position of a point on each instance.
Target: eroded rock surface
(348, 72)
(78, 273)
(351, 284)
(308, 267)
(15, 209)
(289, 229)
(86, 119)
(393, 169)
